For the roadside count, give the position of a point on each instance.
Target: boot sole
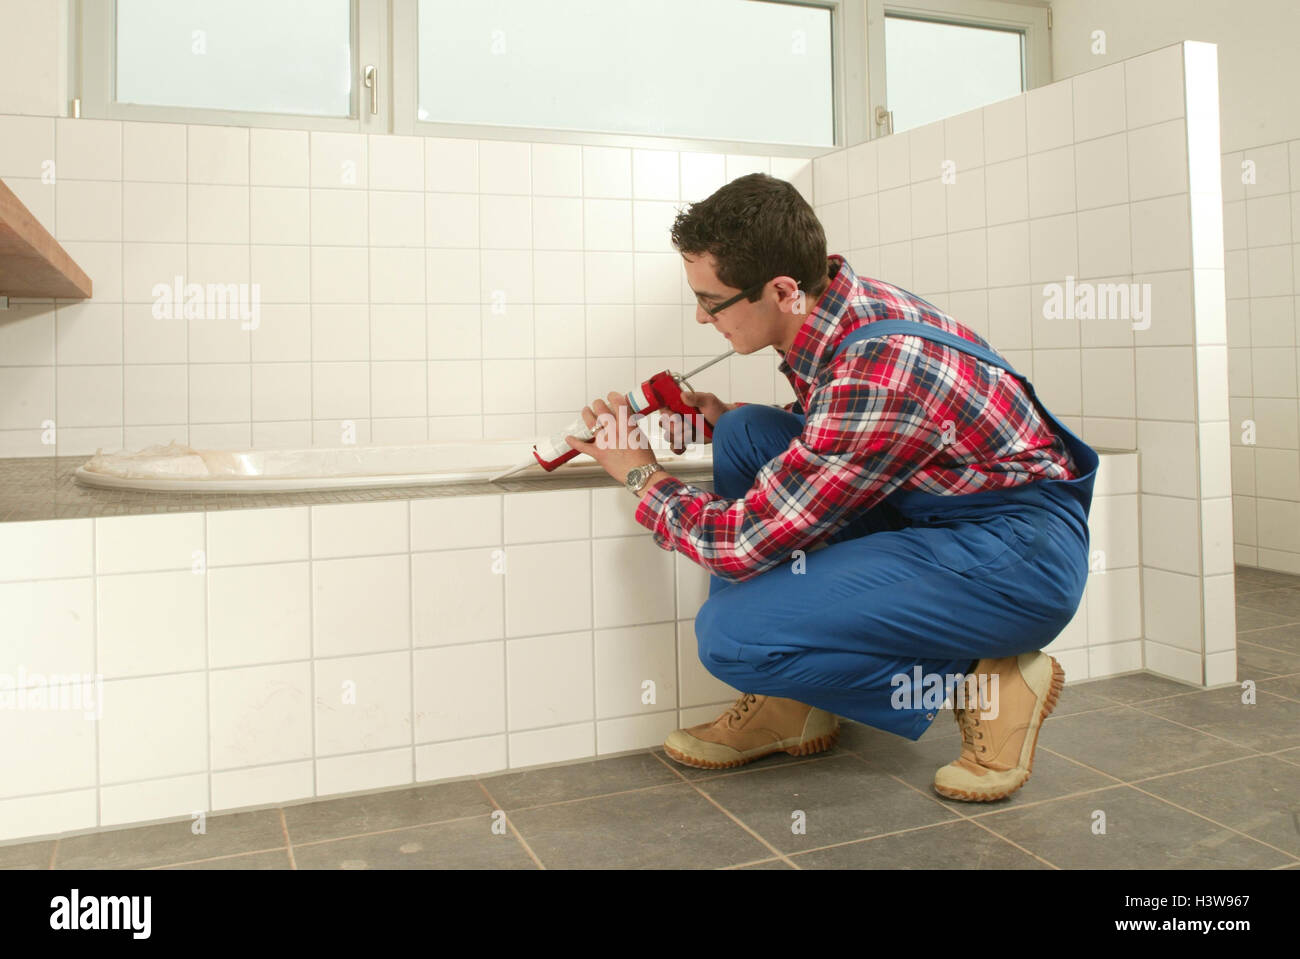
(815, 745)
(1049, 704)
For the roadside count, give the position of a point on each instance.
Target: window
(194, 53)
(283, 63)
(718, 69)
(936, 70)
(931, 59)
(779, 77)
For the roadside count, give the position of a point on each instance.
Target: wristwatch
(637, 478)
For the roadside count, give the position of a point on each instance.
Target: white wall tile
(633, 582)
(359, 529)
(153, 727)
(549, 680)
(260, 715)
(548, 588)
(361, 605)
(132, 544)
(458, 596)
(626, 659)
(279, 158)
(45, 549)
(362, 703)
(257, 536)
(459, 692)
(259, 613)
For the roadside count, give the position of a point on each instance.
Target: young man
(912, 529)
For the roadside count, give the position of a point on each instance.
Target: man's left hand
(618, 446)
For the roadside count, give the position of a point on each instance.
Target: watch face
(634, 476)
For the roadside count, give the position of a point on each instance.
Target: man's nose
(702, 315)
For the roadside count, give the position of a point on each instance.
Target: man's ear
(790, 299)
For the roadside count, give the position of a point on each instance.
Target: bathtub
(175, 466)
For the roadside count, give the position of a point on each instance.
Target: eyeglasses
(742, 295)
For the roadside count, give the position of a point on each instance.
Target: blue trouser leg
(847, 628)
(746, 439)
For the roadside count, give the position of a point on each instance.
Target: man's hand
(618, 446)
(708, 404)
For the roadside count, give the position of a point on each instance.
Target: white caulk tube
(554, 446)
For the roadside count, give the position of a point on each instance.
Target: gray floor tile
(841, 800)
(1256, 661)
(1289, 755)
(172, 842)
(1141, 833)
(1249, 619)
(1280, 602)
(579, 781)
(1259, 795)
(1284, 638)
(1079, 698)
(670, 827)
(274, 859)
(468, 844)
(334, 818)
(1127, 743)
(1271, 723)
(1288, 686)
(1137, 688)
(955, 845)
(27, 855)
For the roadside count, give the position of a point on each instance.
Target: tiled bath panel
(1189, 779)
(268, 655)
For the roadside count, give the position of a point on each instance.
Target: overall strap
(926, 332)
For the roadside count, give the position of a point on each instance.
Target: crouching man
(916, 512)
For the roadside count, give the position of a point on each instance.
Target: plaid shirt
(891, 413)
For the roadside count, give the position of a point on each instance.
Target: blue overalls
(919, 580)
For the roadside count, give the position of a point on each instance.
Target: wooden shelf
(31, 261)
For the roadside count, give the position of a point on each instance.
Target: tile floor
(1186, 779)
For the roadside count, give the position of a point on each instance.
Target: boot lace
(968, 719)
(741, 705)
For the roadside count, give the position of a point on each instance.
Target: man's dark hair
(757, 227)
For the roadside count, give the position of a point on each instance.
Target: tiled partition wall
(1261, 233)
(1110, 177)
(264, 656)
(417, 289)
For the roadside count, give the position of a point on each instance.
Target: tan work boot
(754, 727)
(998, 737)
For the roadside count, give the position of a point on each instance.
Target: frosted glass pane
(265, 56)
(720, 69)
(937, 70)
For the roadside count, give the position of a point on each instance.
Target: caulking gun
(661, 391)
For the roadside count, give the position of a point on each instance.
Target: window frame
(848, 96)
(94, 30)
(1029, 21)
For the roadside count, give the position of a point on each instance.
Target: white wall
(34, 57)
(1258, 69)
(412, 288)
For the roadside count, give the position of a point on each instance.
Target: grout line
(288, 843)
(513, 828)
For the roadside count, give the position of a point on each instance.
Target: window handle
(369, 78)
(885, 118)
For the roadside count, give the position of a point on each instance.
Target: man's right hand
(708, 404)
